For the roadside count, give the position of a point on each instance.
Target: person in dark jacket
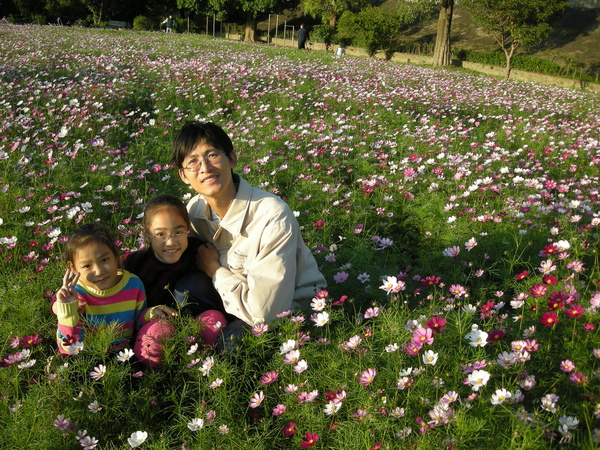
(302, 37)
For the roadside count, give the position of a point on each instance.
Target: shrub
(142, 23)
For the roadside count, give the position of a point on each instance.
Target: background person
(302, 37)
(170, 23)
(254, 253)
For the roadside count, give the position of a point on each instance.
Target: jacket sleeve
(267, 286)
(70, 324)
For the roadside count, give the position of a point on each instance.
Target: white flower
(332, 408)
(27, 365)
(391, 348)
(478, 378)
(138, 438)
(320, 319)
(301, 366)
(477, 338)
(125, 355)
(75, 348)
(195, 424)
(287, 346)
(94, 407)
(318, 304)
(430, 358)
(500, 396)
(192, 349)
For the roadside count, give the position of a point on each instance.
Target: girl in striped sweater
(96, 293)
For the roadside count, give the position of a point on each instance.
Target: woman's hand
(207, 259)
(67, 293)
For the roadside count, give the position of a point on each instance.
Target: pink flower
(259, 329)
(457, 290)
(278, 410)
(538, 290)
(257, 399)
(268, 378)
(422, 336)
(371, 313)
(578, 378)
(567, 366)
(340, 277)
(367, 377)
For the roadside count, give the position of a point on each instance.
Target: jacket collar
(234, 218)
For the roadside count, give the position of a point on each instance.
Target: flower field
(455, 217)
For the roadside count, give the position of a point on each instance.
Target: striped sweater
(124, 304)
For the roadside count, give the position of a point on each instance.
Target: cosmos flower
(195, 424)
(98, 372)
(137, 438)
(257, 399)
(367, 377)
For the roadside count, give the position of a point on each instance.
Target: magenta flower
(575, 311)
(579, 378)
(309, 440)
(367, 377)
(437, 324)
(549, 319)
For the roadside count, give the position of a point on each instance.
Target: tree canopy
(515, 23)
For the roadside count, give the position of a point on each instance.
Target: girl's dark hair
(87, 234)
(195, 132)
(162, 202)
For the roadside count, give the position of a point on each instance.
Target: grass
(390, 168)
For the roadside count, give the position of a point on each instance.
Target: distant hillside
(576, 36)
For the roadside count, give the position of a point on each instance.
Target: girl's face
(97, 266)
(168, 223)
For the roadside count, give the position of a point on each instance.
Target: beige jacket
(265, 264)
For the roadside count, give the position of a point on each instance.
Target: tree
(441, 52)
(98, 8)
(515, 23)
(328, 11)
(251, 9)
(377, 28)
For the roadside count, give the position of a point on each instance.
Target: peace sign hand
(67, 293)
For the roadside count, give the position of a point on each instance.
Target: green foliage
(376, 28)
(322, 33)
(142, 23)
(515, 23)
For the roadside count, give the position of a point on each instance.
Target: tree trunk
(250, 27)
(441, 53)
(509, 52)
(332, 21)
